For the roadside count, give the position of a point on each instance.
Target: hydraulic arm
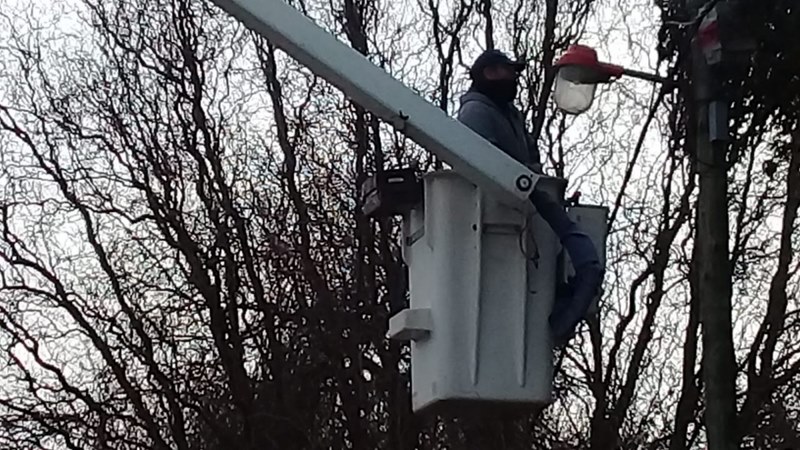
(464, 150)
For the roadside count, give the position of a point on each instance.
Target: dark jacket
(503, 127)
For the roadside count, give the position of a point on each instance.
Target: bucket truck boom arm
(377, 91)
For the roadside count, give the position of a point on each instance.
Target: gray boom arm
(377, 91)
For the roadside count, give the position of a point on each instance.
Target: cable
(527, 231)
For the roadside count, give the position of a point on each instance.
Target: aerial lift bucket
(482, 280)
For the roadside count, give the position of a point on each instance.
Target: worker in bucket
(488, 109)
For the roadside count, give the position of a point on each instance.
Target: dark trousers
(568, 311)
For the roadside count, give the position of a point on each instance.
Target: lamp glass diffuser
(572, 97)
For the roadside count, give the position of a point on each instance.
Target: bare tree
(184, 262)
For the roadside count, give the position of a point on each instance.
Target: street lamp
(578, 72)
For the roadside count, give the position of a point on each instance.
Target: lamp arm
(648, 76)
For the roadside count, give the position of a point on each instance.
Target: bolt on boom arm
(373, 88)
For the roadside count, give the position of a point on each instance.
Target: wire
(527, 231)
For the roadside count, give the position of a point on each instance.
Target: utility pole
(712, 237)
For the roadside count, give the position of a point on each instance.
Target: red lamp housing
(578, 72)
(581, 66)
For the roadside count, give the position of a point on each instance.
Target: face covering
(498, 90)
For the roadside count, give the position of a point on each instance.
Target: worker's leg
(568, 312)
